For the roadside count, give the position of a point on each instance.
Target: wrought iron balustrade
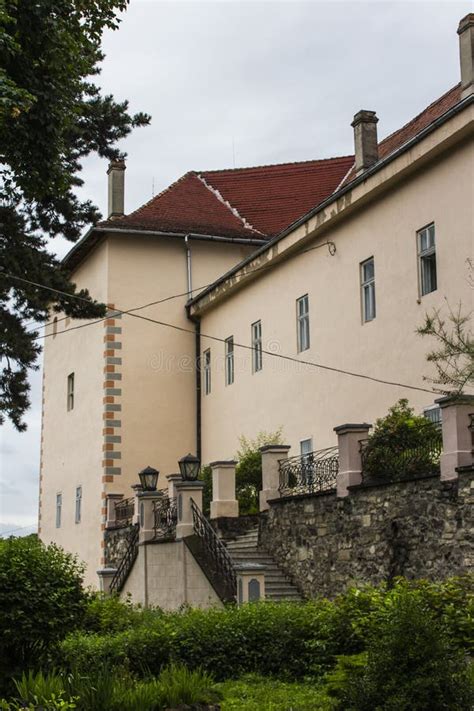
(127, 561)
(124, 511)
(402, 457)
(165, 516)
(218, 563)
(310, 473)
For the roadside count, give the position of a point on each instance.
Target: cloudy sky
(247, 83)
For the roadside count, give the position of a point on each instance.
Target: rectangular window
(306, 446)
(302, 317)
(59, 505)
(207, 371)
(257, 346)
(427, 260)
(367, 283)
(78, 504)
(433, 414)
(229, 360)
(70, 391)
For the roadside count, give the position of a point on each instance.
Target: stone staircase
(245, 549)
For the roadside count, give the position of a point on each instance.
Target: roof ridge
(415, 118)
(230, 207)
(275, 165)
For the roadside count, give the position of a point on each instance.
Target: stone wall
(421, 528)
(116, 541)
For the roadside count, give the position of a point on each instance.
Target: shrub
(411, 664)
(110, 614)
(248, 473)
(38, 690)
(41, 599)
(402, 444)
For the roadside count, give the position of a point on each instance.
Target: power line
(320, 366)
(14, 530)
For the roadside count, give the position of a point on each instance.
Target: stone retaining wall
(421, 528)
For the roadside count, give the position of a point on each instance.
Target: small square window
(70, 391)
(367, 286)
(427, 274)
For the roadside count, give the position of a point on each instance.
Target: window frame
(422, 257)
(70, 392)
(302, 441)
(367, 286)
(303, 337)
(257, 351)
(229, 361)
(59, 508)
(78, 505)
(207, 371)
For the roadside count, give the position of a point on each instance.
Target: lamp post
(189, 467)
(148, 478)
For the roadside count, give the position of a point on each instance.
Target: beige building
(309, 282)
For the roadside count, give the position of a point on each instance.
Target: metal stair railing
(125, 565)
(309, 473)
(217, 561)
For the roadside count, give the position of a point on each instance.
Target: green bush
(110, 614)
(248, 473)
(41, 600)
(402, 444)
(255, 693)
(412, 665)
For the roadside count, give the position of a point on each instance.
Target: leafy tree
(41, 600)
(52, 116)
(402, 443)
(453, 358)
(248, 473)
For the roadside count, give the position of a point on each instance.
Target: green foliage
(253, 692)
(206, 477)
(179, 685)
(248, 474)
(52, 115)
(38, 690)
(402, 444)
(412, 665)
(41, 599)
(110, 614)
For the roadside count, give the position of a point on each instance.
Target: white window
(427, 260)
(367, 282)
(207, 371)
(433, 414)
(78, 504)
(229, 360)
(306, 446)
(70, 391)
(59, 505)
(257, 346)
(302, 319)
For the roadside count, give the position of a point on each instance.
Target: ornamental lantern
(148, 478)
(189, 467)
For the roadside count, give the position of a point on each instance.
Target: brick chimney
(116, 173)
(466, 54)
(365, 140)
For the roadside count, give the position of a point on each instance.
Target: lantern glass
(189, 467)
(149, 479)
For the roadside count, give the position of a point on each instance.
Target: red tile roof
(260, 202)
(244, 202)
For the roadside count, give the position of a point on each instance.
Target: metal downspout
(197, 347)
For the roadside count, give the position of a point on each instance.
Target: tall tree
(52, 115)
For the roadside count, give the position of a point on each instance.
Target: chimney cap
(118, 164)
(364, 116)
(466, 22)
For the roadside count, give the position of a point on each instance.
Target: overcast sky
(247, 83)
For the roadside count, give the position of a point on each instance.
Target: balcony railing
(310, 473)
(165, 517)
(124, 511)
(402, 458)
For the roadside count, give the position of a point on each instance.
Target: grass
(253, 692)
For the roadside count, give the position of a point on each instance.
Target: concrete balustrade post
(223, 502)
(187, 490)
(173, 479)
(457, 435)
(250, 582)
(105, 578)
(271, 455)
(146, 517)
(110, 502)
(350, 461)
